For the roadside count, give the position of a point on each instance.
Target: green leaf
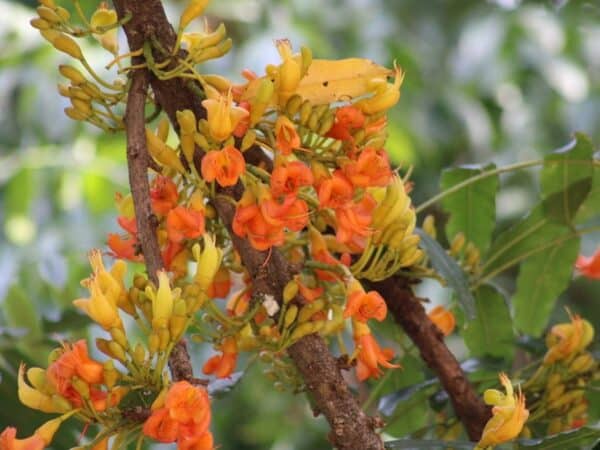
(584, 437)
(406, 409)
(566, 178)
(447, 267)
(530, 235)
(473, 208)
(542, 278)
(589, 208)
(491, 333)
(21, 313)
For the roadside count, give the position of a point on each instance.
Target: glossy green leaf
(473, 208)
(542, 278)
(566, 178)
(428, 444)
(491, 332)
(586, 437)
(531, 235)
(448, 268)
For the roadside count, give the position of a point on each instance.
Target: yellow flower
(509, 415)
(567, 339)
(209, 261)
(99, 307)
(222, 116)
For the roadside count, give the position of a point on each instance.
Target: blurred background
(502, 81)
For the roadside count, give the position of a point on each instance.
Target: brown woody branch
(351, 428)
(410, 315)
(137, 164)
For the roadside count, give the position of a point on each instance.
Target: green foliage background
(499, 81)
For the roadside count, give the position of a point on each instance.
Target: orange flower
(353, 221)
(371, 169)
(164, 195)
(183, 415)
(249, 221)
(223, 365)
(347, 118)
(161, 427)
(128, 224)
(589, 266)
(363, 306)
(75, 362)
(309, 294)
(124, 248)
(443, 319)
(224, 165)
(184, 223)
(221, 284)
(175, 258)
(202, 442)
(336, 191)
(291, 214)
(370, 355)
(287, 179)
(286, 136)
(9, 441)
(567, 339)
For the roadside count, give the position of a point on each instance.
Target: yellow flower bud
(192, 10)
(48, 14)
(209, 261)
(66, 44)
(40, 24)
(110, 374)
(290, 291)
(162, 303)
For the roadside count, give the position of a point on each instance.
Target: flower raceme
(508, 415)
(181, 414)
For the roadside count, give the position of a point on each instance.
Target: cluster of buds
(558, 386)
(92, 98)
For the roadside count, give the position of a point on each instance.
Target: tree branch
(410, 314)
(137, 164)
(351, 428)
